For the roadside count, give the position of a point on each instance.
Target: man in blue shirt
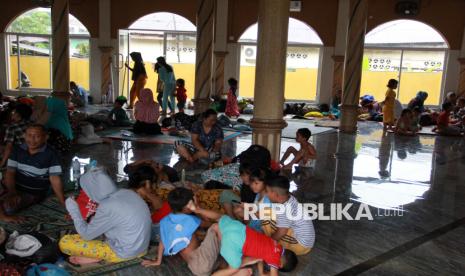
(80, 95)
(31, 169)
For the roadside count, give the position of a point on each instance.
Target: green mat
(47, 217)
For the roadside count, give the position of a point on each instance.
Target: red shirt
(259, 246)
(443, 119)
(161, 213)
(181, 95)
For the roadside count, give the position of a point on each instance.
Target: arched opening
(29, 51)
(303, 57)
(159, 34)
(407, 50)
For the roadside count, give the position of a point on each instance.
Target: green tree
(83, 48)
(37, 22)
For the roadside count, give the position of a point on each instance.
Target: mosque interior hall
(121, 119)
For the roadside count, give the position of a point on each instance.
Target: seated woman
(207, 139)
(419, 102)
(122, 217)
(53, 113)
(371, 108)
(146, 112)
(404, 124)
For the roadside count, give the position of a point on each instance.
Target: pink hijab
(146, 109)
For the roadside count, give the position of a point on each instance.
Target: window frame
(403, 49)
(7, 42)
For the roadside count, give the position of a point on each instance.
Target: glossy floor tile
(414, 187)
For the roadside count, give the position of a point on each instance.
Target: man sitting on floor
(31, 169)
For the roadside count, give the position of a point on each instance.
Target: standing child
(232, 110)
(181, 95)
(389, 105)
(307, 153)
(295, 235)
(404, 124)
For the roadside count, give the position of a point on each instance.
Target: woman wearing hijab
(139, 77)
(166, 75)
(146, 113)
(60, 132)
(418, 101)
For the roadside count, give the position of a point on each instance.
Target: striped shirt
(33, 171)
(303, 229)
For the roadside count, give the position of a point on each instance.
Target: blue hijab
(58, 118)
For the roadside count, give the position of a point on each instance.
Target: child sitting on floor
(444, 125)
(178, 236)
(404, 124)
(118, 116)
(257, 185)
(295, 235)
(141, 181)
(305, 156)
(242, 246)
(229, 199)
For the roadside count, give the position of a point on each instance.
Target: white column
(353, 64)
(102, 52)
(3, 63)
(267, 122)
(451, 72)
(220, 50)
(325, 75)
(232, 63)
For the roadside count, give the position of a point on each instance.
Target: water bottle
(76, 172)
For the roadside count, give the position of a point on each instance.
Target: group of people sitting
(198, 222)
(449, 122)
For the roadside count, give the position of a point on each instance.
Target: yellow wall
(38, 71)
(300, 83)
(374, 83)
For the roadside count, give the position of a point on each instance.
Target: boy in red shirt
(443, 122)
(242, 246)
(181, 95)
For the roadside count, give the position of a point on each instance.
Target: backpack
(256, 155)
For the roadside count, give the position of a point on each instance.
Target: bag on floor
(46, 270)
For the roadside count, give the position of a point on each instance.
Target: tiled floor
(415, 188)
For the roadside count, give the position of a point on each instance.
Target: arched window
(407, 50)
(29, 56)
(303, 56)
(159, 34)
